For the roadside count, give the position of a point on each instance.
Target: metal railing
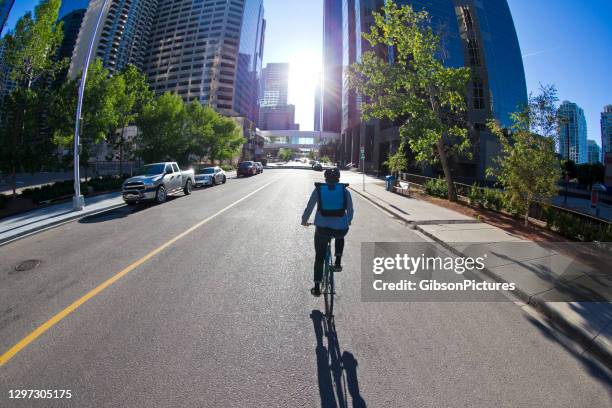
(540, 211)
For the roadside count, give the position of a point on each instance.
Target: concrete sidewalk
(547, 278)
(26, 223)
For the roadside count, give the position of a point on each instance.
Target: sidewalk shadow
(336, 369)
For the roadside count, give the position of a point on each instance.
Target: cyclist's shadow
(337, 370)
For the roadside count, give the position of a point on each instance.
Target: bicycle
(328, 288)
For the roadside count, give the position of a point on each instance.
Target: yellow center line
(10, 353)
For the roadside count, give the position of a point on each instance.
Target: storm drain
(28, 265)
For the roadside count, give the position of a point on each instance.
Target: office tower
(331, 99)
(317, 106)
(72, 21)
(209, 51)
(123, 36)
(475, 34)
(274, 111)
(274, 84)
(572, 133)
(606, 131)
(68, 6)
(593, 152)
(281, 117)
(5, 9)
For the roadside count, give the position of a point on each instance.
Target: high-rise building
(331, 98)
(572, 133)
(317, 106)
(274, 85)
(281, 117)
(210, 51)
(606, 131)
(5, 9)
(274, 111)
(68, 6)
(475, 34)
(71, 25)
(123, 36)
(593, 152)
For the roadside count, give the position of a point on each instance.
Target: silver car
(210, 176)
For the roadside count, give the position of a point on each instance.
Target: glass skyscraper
(123, 37)
(209, 51)
(5, 9)
(473, 33)
(572, 133)
(606, 132)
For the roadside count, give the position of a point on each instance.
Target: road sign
(362, 153)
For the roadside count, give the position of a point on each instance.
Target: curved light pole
(78, 202)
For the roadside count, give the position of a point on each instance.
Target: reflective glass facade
(572, 133)
(503, 58)
(209, 51)
(473, 33)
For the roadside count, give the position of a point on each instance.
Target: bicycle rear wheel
(328, 282)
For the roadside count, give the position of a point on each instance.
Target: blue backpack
(332, 199)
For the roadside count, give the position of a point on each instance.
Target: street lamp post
(78, 202)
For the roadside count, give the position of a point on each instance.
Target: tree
(528, 168)
(542, 112)
(29, 51)
(161, 127)
(285, 154)
(29, 63)
(227, 139)
(133, 94)
(590, 173)
(99, 113)
(416, 89)
(397, 162)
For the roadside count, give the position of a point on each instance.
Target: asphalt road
(222, 317)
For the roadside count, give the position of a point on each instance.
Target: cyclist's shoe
(316, 291)
(337, 268)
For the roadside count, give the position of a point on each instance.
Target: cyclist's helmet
(332, 175)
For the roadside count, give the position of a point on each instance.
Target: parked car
(246, 168)
(317, 166)
(259, 167)
(210, 176)
(157, 182)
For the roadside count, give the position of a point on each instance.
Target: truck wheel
(160, 195)
(188, 188)
(224, 180)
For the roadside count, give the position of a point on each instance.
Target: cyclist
(332, 220)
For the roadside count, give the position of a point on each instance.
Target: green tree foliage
(427, 98)
(568, 168)
(173, 130)
(528, 168)
(28, 62)
(133, 94)
(590, 173)
(100, 116)
(285, 154)
(30, 49)
(542, 112)
(397, 162)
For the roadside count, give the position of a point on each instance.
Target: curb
(76, 216)
(586, 341)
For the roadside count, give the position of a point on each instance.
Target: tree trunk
(527, 214)
(452, 195)
(14, 180)
(121, 151)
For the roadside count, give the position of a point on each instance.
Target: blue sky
(564, 42)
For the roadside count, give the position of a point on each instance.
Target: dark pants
(322, 237)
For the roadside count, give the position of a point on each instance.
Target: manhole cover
(27, 265)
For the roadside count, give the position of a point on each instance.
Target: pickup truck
(156, 182)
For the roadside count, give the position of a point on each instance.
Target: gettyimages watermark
(484, 272)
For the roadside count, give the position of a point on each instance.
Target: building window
(478, 94)
(473, 52)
